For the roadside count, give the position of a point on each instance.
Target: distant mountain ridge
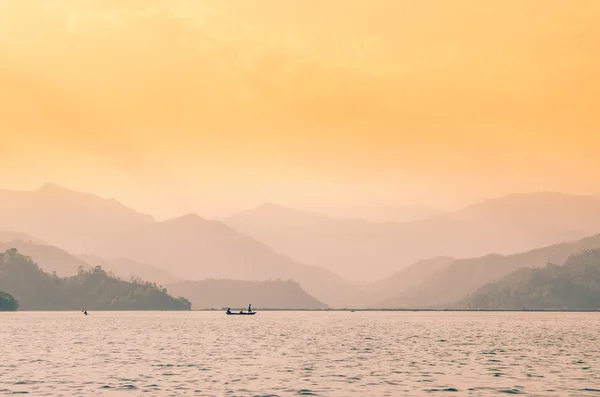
(49, 258)
(401, 281)
(464, 276)
(206, 293)
(126, 268)
(72, 220)
(505, 225)
(54, 259)
(572, 286)
(91, 289)
(216, 294)
(7, 236)
(272, 242)
(192, 248)
(86, 223)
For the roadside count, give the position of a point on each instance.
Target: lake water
(296, 353)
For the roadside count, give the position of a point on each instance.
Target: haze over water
(295, 353)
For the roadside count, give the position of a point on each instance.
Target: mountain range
(367, 251)
(272, 242)
(462, 277)
(127, 269)
(217, 294)
(94, 289)
(572, 286)
(71, 220)
(406, 279)
(54, 259)
(188, 247)
(13, 236)
(192, 248)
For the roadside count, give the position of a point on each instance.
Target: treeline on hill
(573, 286)
(7, 302)
(92, 289)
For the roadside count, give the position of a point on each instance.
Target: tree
(7, 302)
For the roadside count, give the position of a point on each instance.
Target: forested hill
(275, 294)
(7, 302)
(573, 286)
(91, 289)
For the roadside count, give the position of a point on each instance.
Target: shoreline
(325, 310)
(413, 310)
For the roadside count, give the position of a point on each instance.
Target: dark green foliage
(573, 286)
(7, 302)
(91, 289)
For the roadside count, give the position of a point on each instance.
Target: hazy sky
(212, 106)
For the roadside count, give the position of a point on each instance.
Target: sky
(215, 106)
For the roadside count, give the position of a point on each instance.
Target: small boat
(240, 314)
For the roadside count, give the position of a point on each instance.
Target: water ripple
(299, 353)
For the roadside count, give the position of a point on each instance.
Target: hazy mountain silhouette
(365, 250)
(216, 294)
(352, 247)
(12, 236)
(54, 259)
(126, 268)
(50, 258)
(72, 220)
(91, 289)
(573, 286)
(193, 248)
(464, 276)
(190, 247)
(401, 281)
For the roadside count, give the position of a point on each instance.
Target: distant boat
(240, 314)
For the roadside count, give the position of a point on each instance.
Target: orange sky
(212, 106)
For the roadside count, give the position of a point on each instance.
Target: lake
(299, 353)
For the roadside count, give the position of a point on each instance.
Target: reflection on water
(299, 353)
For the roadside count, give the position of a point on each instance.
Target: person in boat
(228, 310)
(85, 312)
(250, 308)
(241, 311)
